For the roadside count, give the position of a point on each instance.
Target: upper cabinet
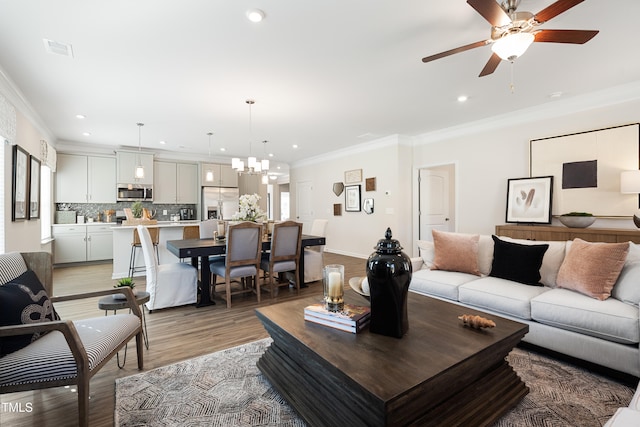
(127, 162)
(175, 183)
(223, 175)
(85, 179)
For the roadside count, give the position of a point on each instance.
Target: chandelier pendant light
(253, 165)
(209, 173)
(139, 172)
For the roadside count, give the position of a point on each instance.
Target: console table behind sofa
(562, 233)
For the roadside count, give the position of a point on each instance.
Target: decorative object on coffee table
(333, 281)
(477, 322)
(577, 219)
(389, 275)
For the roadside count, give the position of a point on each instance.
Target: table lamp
(630, 184)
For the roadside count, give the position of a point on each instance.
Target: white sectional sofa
(561, 317)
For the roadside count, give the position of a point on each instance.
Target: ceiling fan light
(512, 46)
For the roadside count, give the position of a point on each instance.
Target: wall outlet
(164, 212)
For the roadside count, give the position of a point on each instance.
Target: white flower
(249, 210)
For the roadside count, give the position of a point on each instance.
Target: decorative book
(352, 318)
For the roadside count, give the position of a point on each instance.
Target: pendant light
(139, 172)
(265, 164)
(253, 166)
(209, 173)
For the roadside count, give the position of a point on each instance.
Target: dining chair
(284, 255)
(207, 227)
(314, 255)
(169, 285)
(135, 245)
(242, 259)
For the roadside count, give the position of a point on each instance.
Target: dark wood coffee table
(440, 373)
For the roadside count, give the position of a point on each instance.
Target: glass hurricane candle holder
(333, 281)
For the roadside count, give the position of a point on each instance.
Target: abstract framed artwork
(529, 200)
(34, 188)
(20, 189)
(352, 198)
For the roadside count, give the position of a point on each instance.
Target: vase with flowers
(249, 209)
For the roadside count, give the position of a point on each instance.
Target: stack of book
(353, 318)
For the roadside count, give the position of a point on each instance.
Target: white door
(434, 184)
(304, 198)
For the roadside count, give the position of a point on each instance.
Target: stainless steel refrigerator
(219, 203)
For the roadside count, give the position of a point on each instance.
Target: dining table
(202, 249)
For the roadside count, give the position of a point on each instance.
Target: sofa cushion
(485, 253)
(520, 263)
(456, 252)
(624, 417)
(627, 287)
(592, 268)
(551, 261)
(443, 284)
(611, 319)
(23, 300)
(11, 266)
(500, 296)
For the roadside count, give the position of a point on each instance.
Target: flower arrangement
(249, 209)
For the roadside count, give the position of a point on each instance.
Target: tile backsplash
(96, 210)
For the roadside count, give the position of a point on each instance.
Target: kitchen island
(123, 237)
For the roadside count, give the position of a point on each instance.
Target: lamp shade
(630, 182)
(512, 46)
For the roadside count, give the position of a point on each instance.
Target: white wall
(356, 233)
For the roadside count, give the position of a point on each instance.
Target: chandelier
(254, 167)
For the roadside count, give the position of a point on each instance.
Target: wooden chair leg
(139, 349)
(257, 285)
(83, 401)
(228, 291)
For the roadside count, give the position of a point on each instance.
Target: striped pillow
(11, 266)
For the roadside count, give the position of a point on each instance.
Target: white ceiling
(325, 75)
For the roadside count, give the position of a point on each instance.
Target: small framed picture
(529, 200)
(337, 209)
(352, 176)
(34, 190)
(352, 198)
(20, 188)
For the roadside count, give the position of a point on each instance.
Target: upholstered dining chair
(242, 259)
(207, 227)
(169, 285)
(284, 255)
(314, 255)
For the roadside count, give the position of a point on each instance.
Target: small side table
(110, 303)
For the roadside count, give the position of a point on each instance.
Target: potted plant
(577, 219)
(136, 209)
(125, 282)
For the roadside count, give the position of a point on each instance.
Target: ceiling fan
(513, 32)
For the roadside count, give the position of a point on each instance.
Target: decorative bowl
(356, 285)
(576, 221)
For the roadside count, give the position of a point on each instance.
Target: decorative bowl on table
(576, 220)
(360, 285)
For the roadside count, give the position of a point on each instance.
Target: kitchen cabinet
(127, 162)
(175, 183)
(85, 179)
(80, 243)
(223, 176)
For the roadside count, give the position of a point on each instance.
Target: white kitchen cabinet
(80, 243)
(127, 162)
(85, 179)
(175, 183)
(223, 176)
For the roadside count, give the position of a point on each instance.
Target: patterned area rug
(227, 389)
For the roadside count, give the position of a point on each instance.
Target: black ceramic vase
(389, 275)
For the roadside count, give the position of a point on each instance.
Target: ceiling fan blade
(453, 51)
(491, 11)
(555, 9)
(565, 36)
(491, 65)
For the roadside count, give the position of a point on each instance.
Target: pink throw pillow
(456, 252)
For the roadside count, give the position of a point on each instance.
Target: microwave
(134, 192)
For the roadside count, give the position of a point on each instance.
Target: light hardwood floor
(175, 334)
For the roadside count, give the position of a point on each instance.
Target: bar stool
(135, 245)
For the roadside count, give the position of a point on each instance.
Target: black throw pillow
(516, 262)
(23, 300)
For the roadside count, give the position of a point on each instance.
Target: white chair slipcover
(314, 255)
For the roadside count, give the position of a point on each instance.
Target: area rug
(227, 389)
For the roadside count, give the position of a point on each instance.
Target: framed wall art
(586, 167)
(19, 190)
(352, 176)
(352, 198)
(370, 184)
(337, 209)
(34, 188)
(529, 200)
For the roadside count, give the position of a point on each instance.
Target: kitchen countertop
(85, 223)
(159, 224)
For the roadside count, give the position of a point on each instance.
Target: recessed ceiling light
(270, 154)
(463, 98)
(163, 142)
(80, 116)
(555, 95)
(255, 15)
(86, 133)
(295, 146)
(223, 149)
